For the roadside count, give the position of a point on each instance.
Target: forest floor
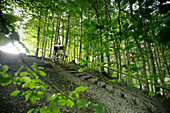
(115, 98)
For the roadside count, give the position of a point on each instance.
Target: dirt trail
(114, 97)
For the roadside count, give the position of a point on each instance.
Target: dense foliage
(127, 39)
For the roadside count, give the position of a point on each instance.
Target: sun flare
(10, 48)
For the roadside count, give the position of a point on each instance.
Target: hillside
(114, 97)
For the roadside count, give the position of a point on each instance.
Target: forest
(125, 40)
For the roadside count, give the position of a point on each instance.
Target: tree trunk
(101, 42)
(74, 46)
(165, 60)
(38, 37)
(153, 67)
(67, 31)
(81, 37)
(158, 63)
(87, 58)
(118, 45)
(57, 37)
(143, 64)
(44, 36)
(52, 38)
(61, 41)
(108, 18)
(46, 39)
(128, 80)
(115, 52)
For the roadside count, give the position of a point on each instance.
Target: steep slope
(114, 97)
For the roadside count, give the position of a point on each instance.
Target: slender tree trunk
(158, 59)
(148, 65)
(63, 29)
(77, 48)
(158, 63)
(129, 80)
(102, 55)
(52, 38)
(115, 52)
(108, 18)
(153, 67)
(149, 69)
(101, 42)
(67, 30)
(107, 14)
(46, 39)
(44, 36)
(81, 37)
(87, 58)
(119, 61)
(143, 64)
(118, 45)
(165, 60)
(38, 36)
(74, 45)
(57, 37)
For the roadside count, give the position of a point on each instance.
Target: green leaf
(36, 110)
(98, 109)
(81, 69)
(61, 102)
(16, 74)
(114, 81)
(41, 72)
(28, 85)
(55, 110)
(18, 80)
(33, 95)
(33, 74)
(5, 67)
(26, 79)
(5, 79)
(152, 94)
(61, 99)
(76, 95)
(51, 97)
(130, 74)
(154, 76)
(41, 68)
(52, 104)
(69, 103)
(28, 95)
(43, 87)
(81, 103)
(23, 74)
(80, 89)
(130, 84)
(130, 46)
(15, 93)
(30, 111)
(44, 110)
(34, 66)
